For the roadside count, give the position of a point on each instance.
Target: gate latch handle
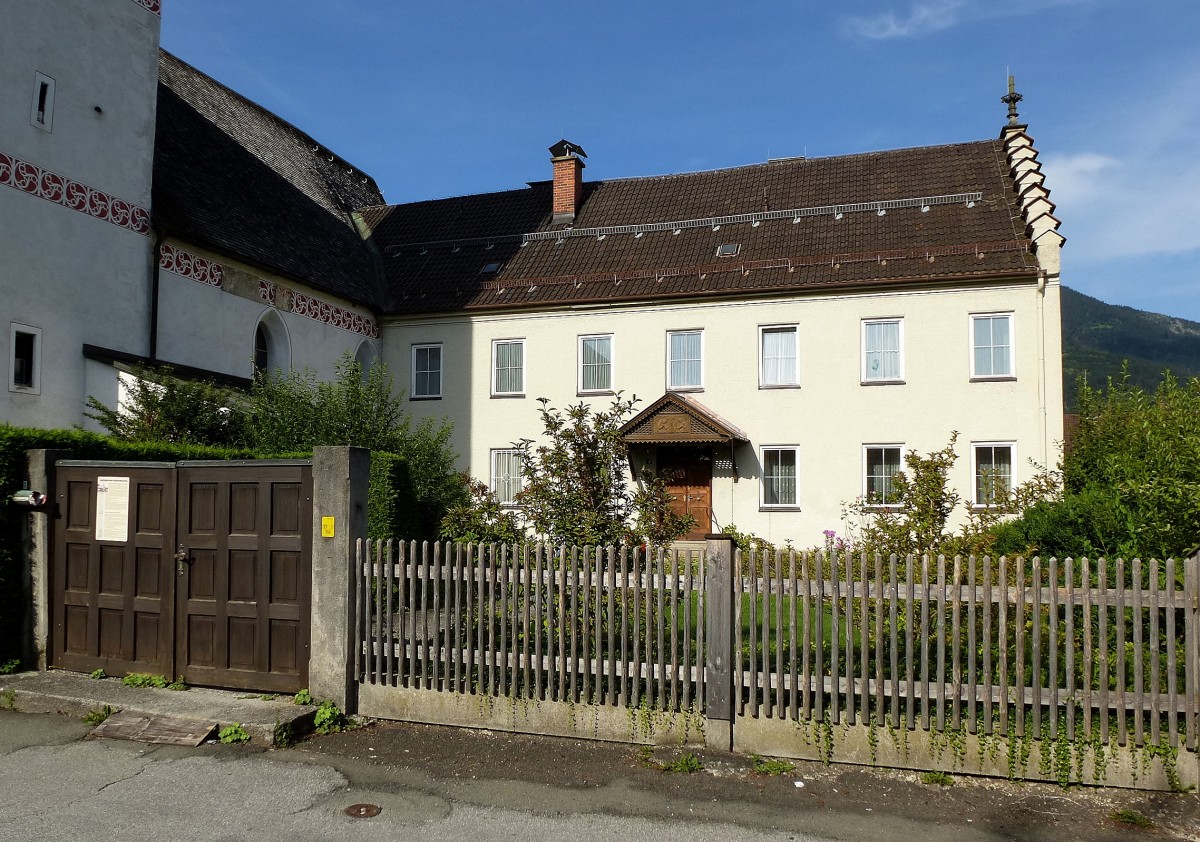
(182, 559)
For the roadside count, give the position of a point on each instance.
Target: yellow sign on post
(326, 527)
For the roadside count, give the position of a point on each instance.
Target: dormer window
(728, 249)
(490, 268)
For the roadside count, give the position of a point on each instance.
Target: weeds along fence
(599, 626)
(1103, 651)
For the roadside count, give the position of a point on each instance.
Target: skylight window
(728, 249)
(490, 268)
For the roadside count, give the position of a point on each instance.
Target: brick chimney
(568, 180)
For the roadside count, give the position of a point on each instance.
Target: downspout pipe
(159, 236)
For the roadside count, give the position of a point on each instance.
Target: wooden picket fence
(979, 645)
(615, 626)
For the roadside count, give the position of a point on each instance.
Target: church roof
(233, 177)
(930, 214)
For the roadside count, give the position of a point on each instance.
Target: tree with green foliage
(160, 407)
(1132, 477)
(293, 412)
(481, 519)
(920, 521)
(575, 487)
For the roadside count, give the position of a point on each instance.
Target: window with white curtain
(991, 345)
(506, 475)
(883, 350)
(993, 471)
(508, 367)
(779, 484)
(777, 356)
(427, 371)
(882, 463)
(685, 359)
(595, 363)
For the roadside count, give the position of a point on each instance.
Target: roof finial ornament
(1011, 99)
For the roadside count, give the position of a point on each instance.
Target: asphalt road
(446, 784)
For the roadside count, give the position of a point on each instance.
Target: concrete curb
(76, 695)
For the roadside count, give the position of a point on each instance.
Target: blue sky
(439, 99)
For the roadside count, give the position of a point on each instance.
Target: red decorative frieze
(152, 6)
(36, 181)
(187, 265)
(314, 308)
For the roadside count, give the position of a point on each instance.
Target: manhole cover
(363, 811)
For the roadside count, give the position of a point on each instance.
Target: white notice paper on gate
(112, 509)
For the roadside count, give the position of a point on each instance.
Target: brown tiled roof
(434, 250)
(233, 177)
(679, 419)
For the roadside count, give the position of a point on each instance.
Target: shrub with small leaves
(329, 719)
(232, 734)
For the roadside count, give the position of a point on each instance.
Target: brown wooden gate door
(243, 585)
(688, 475)
(201, 570)
(114, 605)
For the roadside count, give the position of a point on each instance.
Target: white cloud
(928, 16)
(924, 17)
(1141, 194)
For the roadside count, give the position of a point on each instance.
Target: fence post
(339, 504)
(718, 655)
(35, 572)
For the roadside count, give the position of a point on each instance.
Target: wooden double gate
(195, 569)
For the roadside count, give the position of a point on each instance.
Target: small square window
(991, 346)
(777, 356)
(993, 469)
(882, 463)
(506, 475)
(728, 249)
(883, 351)
(426, 371)
(25, 349)
(685, 360)
(42, 111)
(490, 268)
(595, 363)
(508, 367)
(779, 485)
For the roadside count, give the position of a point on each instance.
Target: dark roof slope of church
(927, 215)
(233, 177)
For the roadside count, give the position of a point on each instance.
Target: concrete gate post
(718, 657)
(35, 630)
(340, 476)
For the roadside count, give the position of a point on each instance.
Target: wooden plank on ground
(157, 729)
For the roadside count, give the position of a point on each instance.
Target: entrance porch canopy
(678, 419)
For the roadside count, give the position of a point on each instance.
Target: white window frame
(441, 370)
(671, 387)
(1011, 374)
(763, 505)
(493, 478)
(496, 393)
(763, 330)
(46, 124)
(612, 364)
(1012, 479)
(867, 380)
(35, 386)
(898, 446)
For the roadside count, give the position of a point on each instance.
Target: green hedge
(392, 507)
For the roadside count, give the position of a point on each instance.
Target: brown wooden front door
(212, 580)
(688, 475)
